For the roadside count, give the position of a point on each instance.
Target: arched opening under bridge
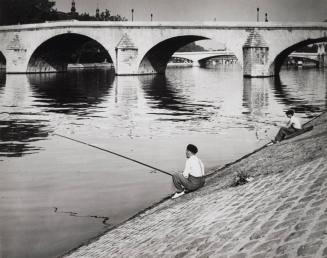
(157, 58)
(59, 53)
(282, 57)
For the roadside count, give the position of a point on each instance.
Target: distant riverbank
(89, 65)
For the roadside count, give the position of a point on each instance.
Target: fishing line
(114, 153)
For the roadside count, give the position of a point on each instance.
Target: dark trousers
(283, 132)
(189, 184)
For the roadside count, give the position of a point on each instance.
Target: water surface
(55, 193)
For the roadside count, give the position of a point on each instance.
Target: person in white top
(192, 177)
(292, 126)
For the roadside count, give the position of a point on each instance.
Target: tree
(106, 16)
(22, 11)
(191, 47)
(35, 11)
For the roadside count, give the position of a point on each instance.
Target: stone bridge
(318, 58)
(198, 58)
(146, 47)
(311, 56)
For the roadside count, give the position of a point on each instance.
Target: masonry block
(126, 57)
(255, 56)
(16, 55)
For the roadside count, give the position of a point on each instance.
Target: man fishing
(292, 126)
(192, 177)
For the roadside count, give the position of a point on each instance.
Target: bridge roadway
(310, 56)
(146, 47)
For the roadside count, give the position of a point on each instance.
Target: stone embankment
(282, 212)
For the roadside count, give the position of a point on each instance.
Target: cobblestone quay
(281, 213)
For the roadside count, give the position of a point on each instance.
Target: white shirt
(193, 167)
(295, 122)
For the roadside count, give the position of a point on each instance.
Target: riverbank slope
(282, 212)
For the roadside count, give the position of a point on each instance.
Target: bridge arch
(55, 53)
(2, 61)
(203, 60)
(156, 58)
(281, 57)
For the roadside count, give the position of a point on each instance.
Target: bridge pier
(255, 56)
(16, 56)
(322, 56)
(322, 60)
(196, 64)
(126, 57)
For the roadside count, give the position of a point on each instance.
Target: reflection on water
(2, 80)
(20, 124)
(71, 93)
(164, 96)
(256, 96)
(302, 89)
(16, 136)
(149, 118)
(26, 99)
(293, 98)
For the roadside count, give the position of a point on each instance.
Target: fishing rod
(114, 153)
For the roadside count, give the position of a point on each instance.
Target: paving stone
(180, 255)
(324, 253)
(309, 249)
(228, 247)
(206, 255)
(267, 246)
(262, 255)
(321, 225)
(308, 198)
(269, 224)
(282, 256)
(318, 203)
(285, 206)
(239, 255)
(215, 255)
(287, 248)
(322, 234)
(313, 211)
(303, 225)
(288, 223)
(259, 234)
(301, 188)
(313, 191)
(248, 246)
(300, 206)
(204, 246)
(278, 234)
(295, 235)
(294, 215)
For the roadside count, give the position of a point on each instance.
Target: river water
(56, 194)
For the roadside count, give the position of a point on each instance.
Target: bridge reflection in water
(150, 118)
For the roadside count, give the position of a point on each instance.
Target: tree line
(37, 11)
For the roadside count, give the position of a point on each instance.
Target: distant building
(97, 13)
(73, 9)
